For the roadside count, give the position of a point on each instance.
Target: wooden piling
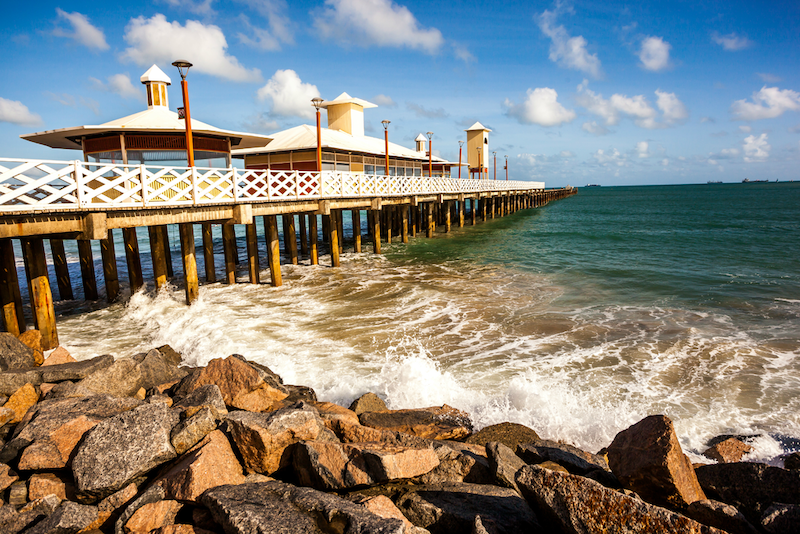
(356, 214)
(252, 253)
(87, 269)
(191, 283)
(10, 296)
(290, 238)
(430, 227)
(133, 259)
(404, 222)
(110, 274)
(208, 253)
(229, 250)
(376, 231)
(333, 237)
(461, 212)
(157, 255)
(387, 222)
(339, 217)
(44, 313)
(303, 235)
(168, 251)
(312, 235)
(447, 217)
(412, 214)
(273, 248)
(61, 268)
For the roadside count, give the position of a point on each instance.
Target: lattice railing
(43, 185)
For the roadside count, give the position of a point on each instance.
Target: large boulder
(13, 379)
(157, 368)
(75, 370)
(728, 451)
(121, 448)
(58, 356)
(152, 516)
(14, 354)
(368, 402)
(278, 507)
(191, 430)
(123, 378)
(572, 504)
(782, 519)
(509, 434)
(69, 518)
(21, 401)
(720, 515)
(437, 422)
(504, 464)
(208, 395)
(33, 339)
(459, 462)
(647, 458)
(575, 460)
(357, 433)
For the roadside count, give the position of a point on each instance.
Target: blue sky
(575, 92)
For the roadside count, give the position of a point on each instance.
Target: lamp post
(183, 69)
(386, 139)
(317, 102)
(430, 154)
(460, 144)
(495, 165)
(480, 165)
(506, 167)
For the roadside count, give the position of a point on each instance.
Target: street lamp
(430, 154)
(480, 165)
(183, 69)
(386, 138)
(460, 144)
(506, 168)
(495, 165)
(317, 102)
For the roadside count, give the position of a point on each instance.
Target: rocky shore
(142, 444)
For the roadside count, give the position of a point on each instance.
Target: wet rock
(750, 487)
(782, 519)
(504, 463)
(122, 448)
(437, 422)
(573, 504)
(728, 451)
(445, 508)
(68, 518)
(262, 439)
(575, 460)
(720, 515)
(368, 402)
(12, 380)
(123, 378)
(58, 356)
(509, 434)
(21, 401)
(279, 507)
(647, 458)
(14, 354)
(7, 477)
(459, 462)
(792, 461)
(75, 370)
(152, 516)
(191, 430)
(157, 368)
(208, 395)
(43, 484)
(170, 354)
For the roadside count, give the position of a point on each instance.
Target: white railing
(44, 185)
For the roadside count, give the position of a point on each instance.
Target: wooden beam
(356, 214)
(44, 314)
(290, 238)
(208, 253)
(87, 269)
(157, 255)
(252, 253)
(273, 248)
(110, 274)
(312, 238)
(167, 251)
(133, 259)
(10, 296)
(303, 235)
(376, 231)
(229, 248)
(62, 269)
(191, 283)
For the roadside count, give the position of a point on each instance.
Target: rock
(43, 484)
(58, 356)
(75, 370)
(443, 422)
(278, 507)
(368, 402)
(446, 508)
(329, 411)
(12, 522)
(271, 378)
(504, 463)
(11, 381)
(69, 518)
(123, 378)
(152, 494)
(180, 529)
(14, 354)
(21, 401)
(552, 466)
(6, 416)
(7, 477)
(191, 430)
(68, 390)
(108, 508)
(573, 504)
(509, 434)
(356, 433)
(170, 354)
(782, 519)
(156, 368)
(45, 505)
(152, 516)
(210, 463)
(459, 462)
(720, 515)
(262, 439)
(728, 451)
(297, 393)
(208, 395)
(750, 487)
(792, 461)
(334, 466)
(55, 451)
(163, 399)
(18, 493)
(122, 448)
(575, 460)
(648, 459)
(33, 339)
(240, 384)
(383, 506)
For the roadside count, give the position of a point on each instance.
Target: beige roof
(344, 98)
(304, 137)
(156, 120)
(477, 126)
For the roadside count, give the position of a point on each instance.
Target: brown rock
(46, 388)
(368, 402)
(6, 415)
(33, 339)
(436, 422)
(69, 517)
(720, 515)
(59, 356)
(792, 461)
(14, 354)
(383, 506)
(647, 458)
(151, 516)
(329, 411)
(7, 477)
(509, 434)
(208, 464)
(728, 451)
(43, 484)
(107, 509)
(577, 461)
(180, 529)
(121, 379)
(22, 400)
(55, 451)
(459, 462)
(191, 430)
(504, 463)
(18, 493)
(552, 466)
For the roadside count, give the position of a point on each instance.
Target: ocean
(576, 319)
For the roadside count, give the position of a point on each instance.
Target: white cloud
(462, 53)
(155, 40)
(279, 32)
(756, 148)
(541, 107)
(643, 149)
(119, 84)
(672, 109)
(385, 101)
(289, 95)
(768, 103)
(16, 112)
(664, 162)
(654, 53)
(745, 128)
(636, 107)
(731, 41)
(607, 159)
(569, 52)
(82, 30)
(201, 7)
(594, 128)
(730, 151)
(375, 22)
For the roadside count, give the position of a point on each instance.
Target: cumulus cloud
(155, 40)
(567, 51)
(279, 31)
(385, 101)
(732, 41)
(425, 113)
(654, 53)
(768, 103)
(16, 112)
(541, 107)
(643, 149)
(119, 84)
(290, 97)
(82, 30)
(612, 158)
(594, 128)
(375, 22)
(756, 149)
(636, 107)
(672, 109)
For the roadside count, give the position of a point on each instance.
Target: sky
(610, 93)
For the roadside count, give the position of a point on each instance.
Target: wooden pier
(71, 200)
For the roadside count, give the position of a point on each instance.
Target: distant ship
(592, 185)
(749, 181)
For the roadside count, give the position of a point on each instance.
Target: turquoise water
(576, 319)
